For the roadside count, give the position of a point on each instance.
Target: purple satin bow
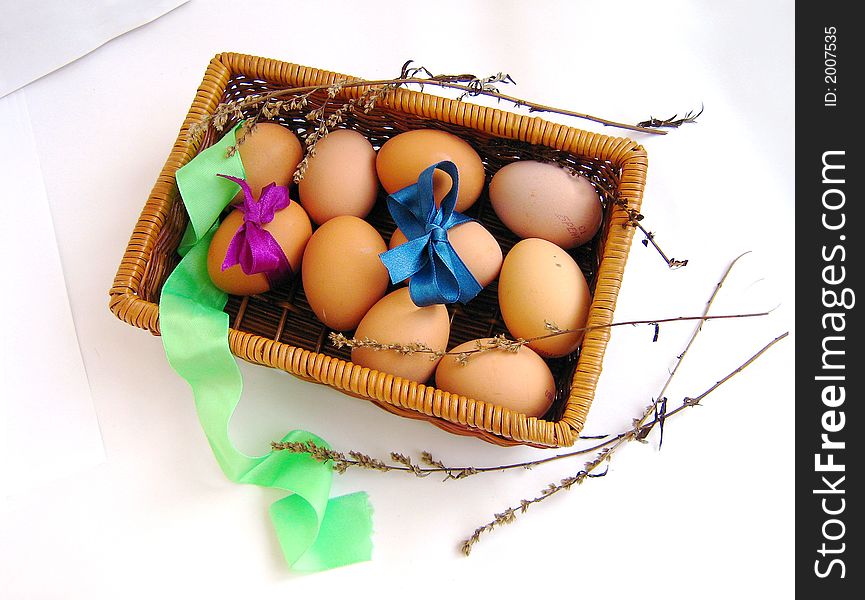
(253, 247)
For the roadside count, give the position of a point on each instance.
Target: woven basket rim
(407, 398)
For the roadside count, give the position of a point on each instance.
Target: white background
(708, 516)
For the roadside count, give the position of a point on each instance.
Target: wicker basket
(278, 329)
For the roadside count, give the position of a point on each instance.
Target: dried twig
(693, 337)
(500, 342)
(634, 220)
(673, 122)
(469, 85)
(341, 462)
(635, 433)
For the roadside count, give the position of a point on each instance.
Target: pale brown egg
(543, 200)
(342, 273)
(403, 157)
(290, 228)
(540, 282)
(520, 381)
(340, 178)
(396, 320)
(270, 153)
(475, 246)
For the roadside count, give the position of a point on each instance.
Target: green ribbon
(315, 532)
(204, 195)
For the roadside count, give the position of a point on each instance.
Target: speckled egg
(543, 200)
(541, 283)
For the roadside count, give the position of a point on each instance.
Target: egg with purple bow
(256, 248)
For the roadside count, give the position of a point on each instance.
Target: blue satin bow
(438, 275)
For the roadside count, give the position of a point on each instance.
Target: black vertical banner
(830, 557)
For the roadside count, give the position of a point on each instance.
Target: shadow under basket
(278, 329)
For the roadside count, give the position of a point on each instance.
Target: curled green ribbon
(205, 195)
(315, 532)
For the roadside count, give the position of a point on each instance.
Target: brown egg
(340, 178)
(342, 273)
(540, 282)
(543, 200)
(475, 246)
(396, 320)
(290, 228)
(520, 380)
(270, 154)
(403, 157)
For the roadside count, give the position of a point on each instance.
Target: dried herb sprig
(470, 86)
(502, 343)
(339, 340)
(342, 462)
(245, 131)
(638, 432)
(339, 460)
(660, 396)
(325, 124)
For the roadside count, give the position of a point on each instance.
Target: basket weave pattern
(279, 330)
